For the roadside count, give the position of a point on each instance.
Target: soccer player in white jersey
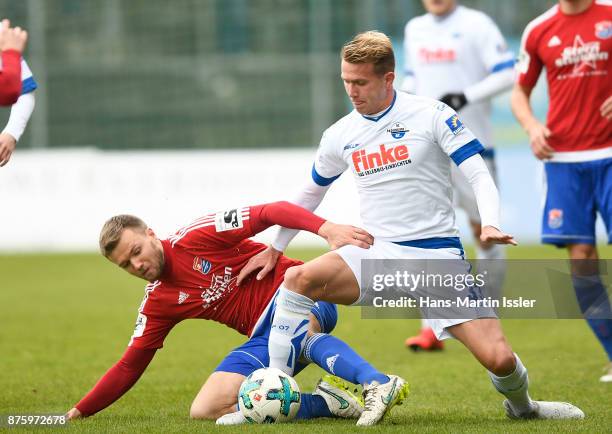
(21, 112)
(398, 148)
(459, 56)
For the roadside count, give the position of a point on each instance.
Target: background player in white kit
(459, 56)
(397, 147)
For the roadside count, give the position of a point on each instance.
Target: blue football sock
(312, 406)
(337, 358)
(595, 305)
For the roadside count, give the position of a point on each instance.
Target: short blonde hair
(371, 47)
(114, 227)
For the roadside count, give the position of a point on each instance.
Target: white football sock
(424, 324)
(514, 387)
(235, 418)
(289, 328)
(493, 261)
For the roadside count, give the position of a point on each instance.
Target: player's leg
(331, 397)
(569, 220)
(217, 396)
(590, 290)
(333, 277)
(485, 339)
(335, 356)
(326, 278)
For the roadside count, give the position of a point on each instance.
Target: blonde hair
(371, 47)
(113, 228)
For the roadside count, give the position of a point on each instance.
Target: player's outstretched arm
(117, 381)
(487, 199)
(292, 216)
(288, 215)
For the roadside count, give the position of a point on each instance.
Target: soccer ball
(269, 395)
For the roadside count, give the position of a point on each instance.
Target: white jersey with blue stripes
(400, 163)
(451, 53)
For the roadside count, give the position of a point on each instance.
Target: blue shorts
(575, 192)
(253, 354)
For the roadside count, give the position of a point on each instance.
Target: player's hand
(492, 235)
(538, 139)
(456, 101)
(7, 146)
(606, 108)
(12, 38)
(265, 261)
(341, 235)
(73, 413)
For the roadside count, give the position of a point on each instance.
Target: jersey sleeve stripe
(502, 65)
(176, 238)
(321, 180)
(28, 85)
(466, 151)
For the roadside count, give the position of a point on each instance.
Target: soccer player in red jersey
(12, 44)
(192, 274)
(573, 42)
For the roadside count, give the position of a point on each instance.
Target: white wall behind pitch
(58, 200)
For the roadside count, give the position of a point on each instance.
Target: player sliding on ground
(193, 275)
(398, 148)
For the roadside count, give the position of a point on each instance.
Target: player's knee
(299, 279)
(582, 251)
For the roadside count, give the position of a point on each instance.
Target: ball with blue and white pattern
(269, 395)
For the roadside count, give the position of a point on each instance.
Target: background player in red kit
(573, 41)
(193, 275)
(12, 44)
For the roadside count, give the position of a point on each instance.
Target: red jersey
(10, 77)
(575, 50)
(201, 264)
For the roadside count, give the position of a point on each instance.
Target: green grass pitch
(65, 319)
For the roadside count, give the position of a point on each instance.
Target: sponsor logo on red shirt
(583, 55)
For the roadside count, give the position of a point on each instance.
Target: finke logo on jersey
(228, 220)
(182, 297)
(374, 162)
(555, 218)
(454, 124)
(554, 41)
(202, 265)
(603, 29)
(581, 55)
(437, 55)
(398, 130)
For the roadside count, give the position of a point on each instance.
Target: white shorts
(452, 259)
(463, 195)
